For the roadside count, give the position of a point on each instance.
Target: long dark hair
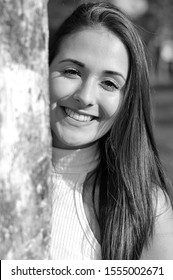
(130, 171)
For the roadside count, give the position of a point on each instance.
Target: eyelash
(71, 72)
(110, 86)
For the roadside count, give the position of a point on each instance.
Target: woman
(109, 198)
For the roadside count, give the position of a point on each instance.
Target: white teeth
(76, 116)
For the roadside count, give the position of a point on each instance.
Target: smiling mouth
(76, 116)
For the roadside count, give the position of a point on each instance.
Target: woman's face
(86, 85)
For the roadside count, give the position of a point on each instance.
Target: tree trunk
(24, 130)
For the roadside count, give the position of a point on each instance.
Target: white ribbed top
(71, 235)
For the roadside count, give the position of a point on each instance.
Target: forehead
(97, 46)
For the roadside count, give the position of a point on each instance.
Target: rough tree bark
(24, 130)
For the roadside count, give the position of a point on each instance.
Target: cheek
(57, 89)
(61, 88)
(110, 105)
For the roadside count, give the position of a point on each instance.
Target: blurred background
(154, 19)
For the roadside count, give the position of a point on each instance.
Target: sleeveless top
(71, 235)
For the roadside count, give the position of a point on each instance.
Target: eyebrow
(73, 61)
(110, 72)
(80, 64)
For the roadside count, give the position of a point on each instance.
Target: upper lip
(82, 112)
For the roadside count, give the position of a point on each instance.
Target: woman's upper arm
(161, 246)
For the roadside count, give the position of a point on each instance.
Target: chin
(70, 140)
(76, 144)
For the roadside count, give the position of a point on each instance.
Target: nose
(86, 94)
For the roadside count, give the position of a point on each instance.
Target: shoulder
(161, 245)
(164, 215)
(162, 204)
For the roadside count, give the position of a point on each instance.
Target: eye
(71, 73)
(110, 85)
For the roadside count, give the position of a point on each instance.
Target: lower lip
(75, 122)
